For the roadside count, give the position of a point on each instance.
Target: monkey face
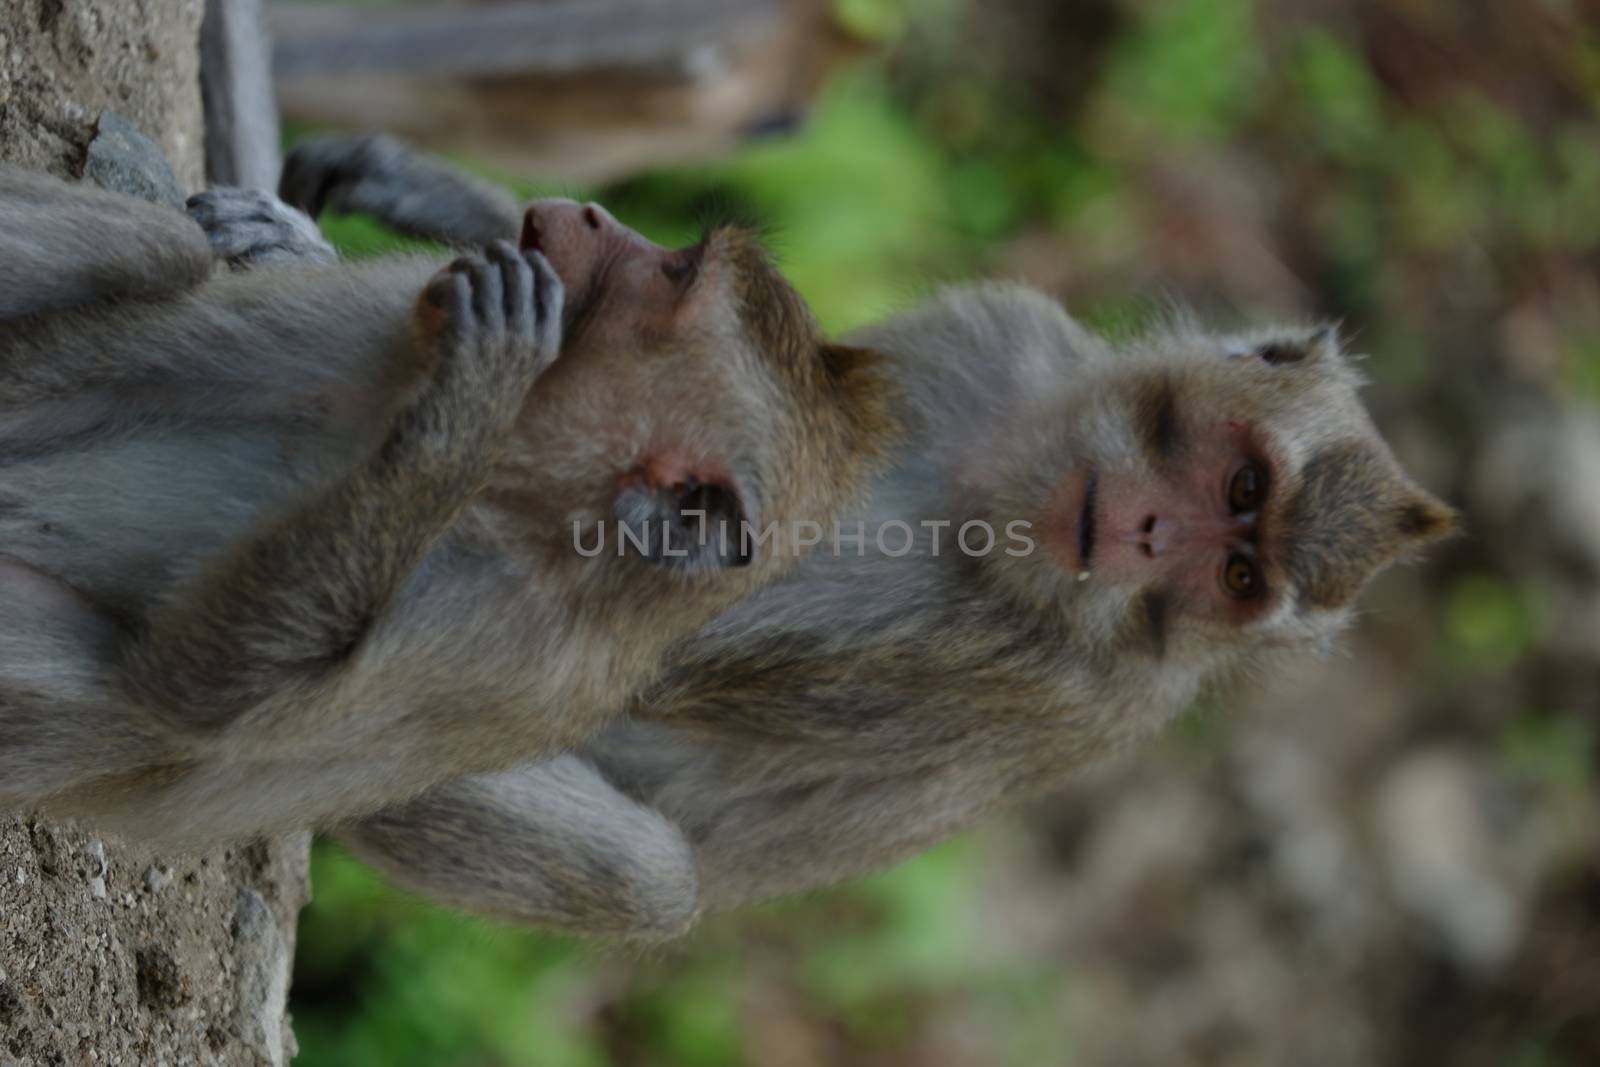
(1202, 487)
(694, 400)
(1192, 528)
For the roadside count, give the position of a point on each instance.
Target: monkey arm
(382, 177)
(63, 246)
(278, 614)
(553, 844)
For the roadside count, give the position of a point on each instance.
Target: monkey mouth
(582, 294)
(1086, 522)
(1072, 520)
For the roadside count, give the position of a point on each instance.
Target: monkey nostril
(591, 216)
(532, 236)
(1147, 537)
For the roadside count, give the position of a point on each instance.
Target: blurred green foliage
(1190, 72)
(1488, 621)
(382, 979)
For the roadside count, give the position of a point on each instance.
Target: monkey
(1193, 504)
(286, 541)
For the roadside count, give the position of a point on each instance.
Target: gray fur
(110, 247)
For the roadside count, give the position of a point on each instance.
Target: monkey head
(695, 401)
(1199, 497)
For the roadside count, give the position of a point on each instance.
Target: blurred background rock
(1386, 858)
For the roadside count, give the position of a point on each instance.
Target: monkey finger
(549, 297)
(516, 277)
(446, 304)
(202, 207)
(488, 294)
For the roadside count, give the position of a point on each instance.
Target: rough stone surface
(109, 955)
(194, 971)
(63, 62)
(261, 988)
(126, 161)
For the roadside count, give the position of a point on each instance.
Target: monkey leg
(248, 228)
(768, 819)
(382, 177)
(273, 619)
(63, 246)
(550, 843)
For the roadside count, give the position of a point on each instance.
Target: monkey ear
(683, 521)
(861, 385)
(1321, 343)
(849, 362)
(1424, 518)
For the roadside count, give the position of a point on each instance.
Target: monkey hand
(377, 175)
(492, 325)
(248, 228)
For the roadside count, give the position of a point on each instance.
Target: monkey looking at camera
(1191, 503)
(282, 546)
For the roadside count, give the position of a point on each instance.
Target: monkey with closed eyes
(1193, 502)
(281, 546)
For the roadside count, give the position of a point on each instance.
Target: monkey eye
(1241, 576)
(1247, 489)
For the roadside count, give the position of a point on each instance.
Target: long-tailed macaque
(1073, 537)
(283, 545)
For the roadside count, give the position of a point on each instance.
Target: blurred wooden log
(577, 89)
(559, 37)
